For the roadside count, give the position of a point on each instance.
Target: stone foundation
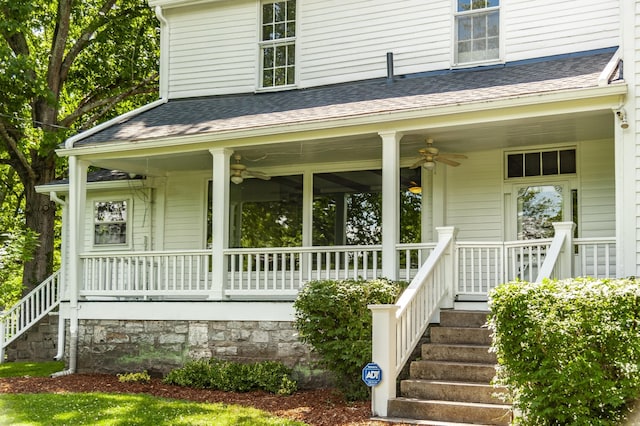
(115, 346)
(38, 344)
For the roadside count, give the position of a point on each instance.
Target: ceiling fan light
(415, 189)
(237, 179)
(429, 165)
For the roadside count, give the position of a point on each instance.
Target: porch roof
(191, 116)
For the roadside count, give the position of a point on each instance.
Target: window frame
(475, 12)
(127, 222)
(276, 43)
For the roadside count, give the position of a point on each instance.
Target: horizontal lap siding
(341, 41)
(596, 197)
(213, 49)
(185, 210)
(474, 197)
(548, 27)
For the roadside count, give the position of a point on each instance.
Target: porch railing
(283, 271)
(31, 309)
(594, 257)
(145, 274)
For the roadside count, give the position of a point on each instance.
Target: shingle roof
(192, 116)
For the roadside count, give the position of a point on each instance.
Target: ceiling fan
(431, 154)
(239, 171)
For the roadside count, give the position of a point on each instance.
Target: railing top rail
(415, 245)
(143, 253)
(528, 243)
(312, 249)
(591, 240)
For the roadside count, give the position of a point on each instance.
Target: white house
(304, 139)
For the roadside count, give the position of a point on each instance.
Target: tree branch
(84, 40)
(105, 104)
(15, 153)
(58, 44)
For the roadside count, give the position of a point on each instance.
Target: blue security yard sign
(372, 374)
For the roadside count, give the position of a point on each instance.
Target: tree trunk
(40, 214)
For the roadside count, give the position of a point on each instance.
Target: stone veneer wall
(38, 344)
(115, 346)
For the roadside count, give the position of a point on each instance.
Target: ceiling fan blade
(444, 154)
(257, 174)
(447, 161)
(418, 163)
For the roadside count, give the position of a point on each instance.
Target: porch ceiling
(517, 133)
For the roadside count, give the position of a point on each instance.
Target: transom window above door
(541, 163)
(477, 31)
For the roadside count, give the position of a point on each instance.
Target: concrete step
(458, 353)
(458, 318)
(447, 411)
(461, 335)
(452, 391)
(452, 371)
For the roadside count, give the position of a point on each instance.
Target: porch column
(77, 207)
(626, 150)
(220, 221)
(390, 202)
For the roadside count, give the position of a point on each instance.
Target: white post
(76, 216)
(1, 339)
(220, 219)
(390, 203)
(384, 354)
(565, 260)
(450, 270)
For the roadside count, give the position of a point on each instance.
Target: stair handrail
(398, 328)
(29, 310)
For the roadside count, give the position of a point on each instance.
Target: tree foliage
(64, 66)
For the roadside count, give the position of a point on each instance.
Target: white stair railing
(398, 328)
(31, 309)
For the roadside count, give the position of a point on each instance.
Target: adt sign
(372, 374)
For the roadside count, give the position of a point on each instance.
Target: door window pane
(538, 208)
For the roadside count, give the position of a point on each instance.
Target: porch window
(347, 208)
(477, 30)
(278, 44)
(266, 213)
(110, 222)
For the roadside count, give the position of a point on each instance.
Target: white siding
(185, 212)
(341, 41)
(474, 196)
(596, 196)
(213, 49)
(549, 27)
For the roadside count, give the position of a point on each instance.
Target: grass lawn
(104, 409)
(32, 369)
(101, 409)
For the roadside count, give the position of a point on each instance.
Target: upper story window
(278, 43)
(477, 26)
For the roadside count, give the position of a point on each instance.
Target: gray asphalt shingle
(192, 116)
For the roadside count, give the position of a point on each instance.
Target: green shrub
(568, 351)
(332, 316)
(231, 376)
(141, 377)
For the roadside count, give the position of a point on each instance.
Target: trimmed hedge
(568, 351)
(332, 316)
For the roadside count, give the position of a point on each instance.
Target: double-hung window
(477, 26)
(278, 44)
(110, 223)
